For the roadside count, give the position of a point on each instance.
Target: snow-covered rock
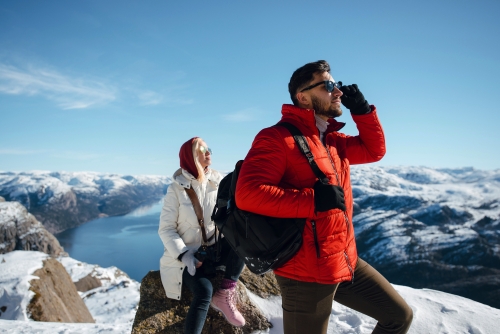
(20, 230)
(61, 200)
(113, 305)
(115, 301)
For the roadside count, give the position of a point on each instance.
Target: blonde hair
(199, 168)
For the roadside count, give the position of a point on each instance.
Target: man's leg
(373, 295)
(306, 306)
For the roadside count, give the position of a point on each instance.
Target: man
(277, 180)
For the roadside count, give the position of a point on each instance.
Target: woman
(182, 236)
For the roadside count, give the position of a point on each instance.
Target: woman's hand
(190, 261)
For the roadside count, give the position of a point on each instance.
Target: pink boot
(224, 301)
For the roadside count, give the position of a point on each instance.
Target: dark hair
(303, 76)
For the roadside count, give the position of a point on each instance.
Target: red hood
(187, 159)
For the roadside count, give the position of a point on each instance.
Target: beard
(325, 109)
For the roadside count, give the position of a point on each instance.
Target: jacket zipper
(344, 213)
(349, 266)
(338, 182)
(315, 234)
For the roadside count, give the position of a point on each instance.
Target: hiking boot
(224, 300)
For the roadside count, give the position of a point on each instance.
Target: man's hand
(328, 196)
(353, 100)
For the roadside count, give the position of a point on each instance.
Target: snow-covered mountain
(61, 200)
(114, 304)
(420, 227)
(432, 228)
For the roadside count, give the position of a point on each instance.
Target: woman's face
(204, 156)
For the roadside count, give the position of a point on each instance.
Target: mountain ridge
(62, 200)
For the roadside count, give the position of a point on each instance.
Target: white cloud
(9, 151)
(150, 98)
(241, 116)
(67, 92)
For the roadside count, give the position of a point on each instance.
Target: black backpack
(263, 243)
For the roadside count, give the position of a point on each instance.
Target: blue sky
(118, 86)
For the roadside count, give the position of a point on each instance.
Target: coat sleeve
(257, 188)
(169, 235)
(368, 146)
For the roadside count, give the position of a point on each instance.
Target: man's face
(324, 103)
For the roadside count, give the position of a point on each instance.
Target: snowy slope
(114, 307)
(432, 228)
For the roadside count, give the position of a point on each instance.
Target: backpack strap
(199, 213)
(304, 148)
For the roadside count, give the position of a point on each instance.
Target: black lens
(330, 85)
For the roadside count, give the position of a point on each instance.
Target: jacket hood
(306, 117)
(187, 159)
(187, 180)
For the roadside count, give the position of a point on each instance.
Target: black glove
(328, 196)
(354, 100)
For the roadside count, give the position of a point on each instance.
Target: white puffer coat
(179, 228)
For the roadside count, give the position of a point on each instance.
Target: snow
(433, 312)
(116, 301)
(16, 269)
(113, 305)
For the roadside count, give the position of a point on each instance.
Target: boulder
(56, 298)
(159, 314)
(88, 283)
(262, 285)
(20, 230)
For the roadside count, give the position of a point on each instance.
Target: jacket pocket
(332, 244)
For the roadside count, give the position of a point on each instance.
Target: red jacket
(276, 180)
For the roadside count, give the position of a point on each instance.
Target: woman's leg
(224, 299)
(234, 265)
(201, 287)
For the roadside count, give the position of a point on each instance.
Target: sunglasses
(204, 150)
(329, 85)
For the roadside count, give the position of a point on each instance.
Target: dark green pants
(307, 306)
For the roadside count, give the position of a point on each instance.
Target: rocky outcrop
(20, 230)
(87, 283)
(263, 286)
(56, 298)
(159, 314)
(64, 200)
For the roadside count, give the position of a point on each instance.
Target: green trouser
(307, 306)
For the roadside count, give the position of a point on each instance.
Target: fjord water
(129, 242)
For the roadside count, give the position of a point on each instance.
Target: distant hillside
(61, 200)
(433, 228)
